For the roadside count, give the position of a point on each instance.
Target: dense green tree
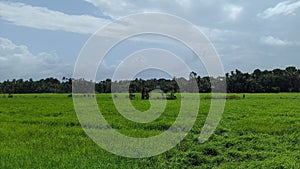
(277, 80)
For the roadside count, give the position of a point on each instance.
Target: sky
(40, 39)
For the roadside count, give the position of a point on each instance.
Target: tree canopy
(277, 80)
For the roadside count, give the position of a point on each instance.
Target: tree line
(267, 81)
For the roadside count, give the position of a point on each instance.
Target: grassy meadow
(42, 131)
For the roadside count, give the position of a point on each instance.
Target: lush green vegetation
(277, 80)
(260, 131)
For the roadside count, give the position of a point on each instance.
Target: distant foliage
(274, 81)
(277, 80)
(48, 85)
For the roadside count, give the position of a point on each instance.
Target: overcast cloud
(247, 34)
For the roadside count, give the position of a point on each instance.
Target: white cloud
(273, 41)
(17, 61)
(120, 8)
(42, 18)
(233, 11)
(184, 3)
(117, 8)
(219, 35)
(282, 8)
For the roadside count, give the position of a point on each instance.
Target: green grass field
(42, 131)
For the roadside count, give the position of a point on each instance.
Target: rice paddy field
(258, 131)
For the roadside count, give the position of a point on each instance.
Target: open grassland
(260, 131)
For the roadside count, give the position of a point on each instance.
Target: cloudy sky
(39, 39)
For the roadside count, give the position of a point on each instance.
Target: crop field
(258, 131)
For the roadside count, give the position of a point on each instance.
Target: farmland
(42, 131)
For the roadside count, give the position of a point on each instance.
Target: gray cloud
(238, 29)
(188, 9)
